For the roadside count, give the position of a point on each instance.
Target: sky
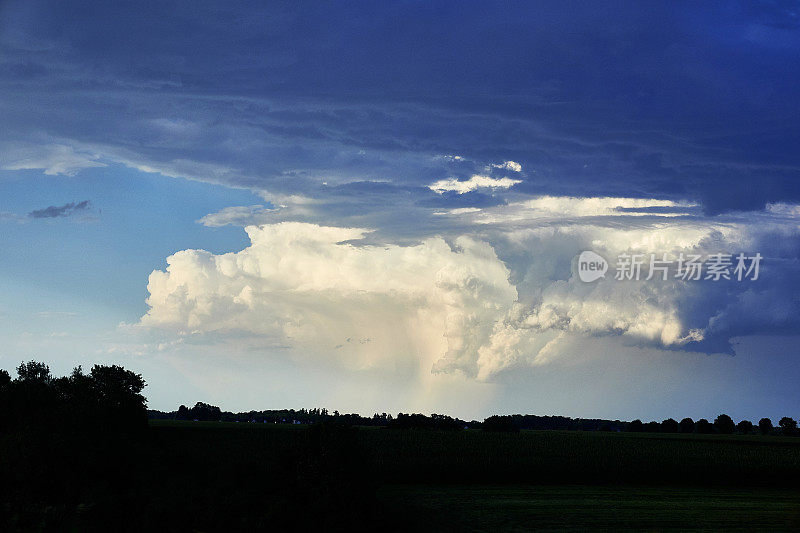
(379, 206)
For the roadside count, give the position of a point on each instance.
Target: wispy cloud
(237, 215)
(509, 165)
(473, 184)
(59, 211)
(52, 159)
(13, 217)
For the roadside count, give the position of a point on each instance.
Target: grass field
(524, 507)
(529, 456)
(206, 476)
(475, 480)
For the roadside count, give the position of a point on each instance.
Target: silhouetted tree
(703, 426)
(33, 371)
(117, 393)
(420, 421)
(205, 412)
(687, 425)
(635, 426)
(183, 413)
(108, 397)
(724, 424)
(745, 427)
(669, 426)
(500, 423)
(765, 426)
(788, 426)
(652, 427)
(5, 382)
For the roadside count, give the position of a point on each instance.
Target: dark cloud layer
(620, 98)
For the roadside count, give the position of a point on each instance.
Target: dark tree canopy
(687, 425)
(115, 385)
(636, 426)
(788, 426)
(33, 371)
(703, 426)
(765, 426)
(200, 411)
(745, 427)
(724, 424)
(669, 426)
(183, 413)
(652, 427)
(500, 423)
(109, 397)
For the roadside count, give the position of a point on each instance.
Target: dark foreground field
(526, 507)
(185, 476)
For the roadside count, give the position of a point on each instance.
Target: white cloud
(236, 216)
(563, 207)
(450, 157)
(458, 211)
(283, 206)
(474, 183)
(370, 306)
(509, 165)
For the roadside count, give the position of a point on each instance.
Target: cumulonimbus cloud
(455, 305)
(301, 285)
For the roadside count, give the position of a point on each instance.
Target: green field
(206, 476)
(525, 507)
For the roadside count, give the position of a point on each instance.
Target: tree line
(723, 424)
(112, 396)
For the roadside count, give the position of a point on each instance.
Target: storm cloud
(629, 100)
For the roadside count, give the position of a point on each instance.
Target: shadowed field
(212, 476)
(527, 456)
(523, 507)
